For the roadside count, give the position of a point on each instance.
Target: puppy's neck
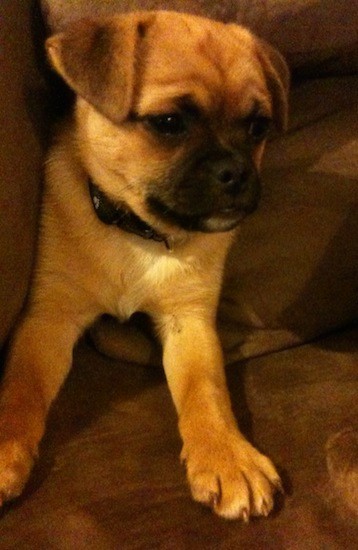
(111, 214)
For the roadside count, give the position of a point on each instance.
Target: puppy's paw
(16, 462)
(231, 477)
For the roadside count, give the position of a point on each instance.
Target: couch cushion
(292, 274)
(109, 475)
(316, 37)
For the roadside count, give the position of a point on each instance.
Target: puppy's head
(172, 113)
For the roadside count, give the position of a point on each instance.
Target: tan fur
(85, 268)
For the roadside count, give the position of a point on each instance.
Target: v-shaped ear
(278, 81)
(97, 60)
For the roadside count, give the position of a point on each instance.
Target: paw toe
(236, 488)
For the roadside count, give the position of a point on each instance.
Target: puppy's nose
(231, 173)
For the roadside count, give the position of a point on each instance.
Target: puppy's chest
(148, 283)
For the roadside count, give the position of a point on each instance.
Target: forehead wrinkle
(216, 70)
(242, 97)
(236, 99)
(180, 69)
(160, 96)
(230, 50)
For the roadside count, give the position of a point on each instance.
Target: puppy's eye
(259, 127)
(171, 124)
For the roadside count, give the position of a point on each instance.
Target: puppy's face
(172, 114)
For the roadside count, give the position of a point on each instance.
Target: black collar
(123, 218)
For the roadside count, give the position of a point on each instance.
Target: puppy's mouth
(216, 220)
(213, 193)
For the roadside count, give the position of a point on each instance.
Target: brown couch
(108, 476)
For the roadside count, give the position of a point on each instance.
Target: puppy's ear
(97, 60)
(278, 81)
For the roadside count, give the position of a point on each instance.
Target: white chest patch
(150, 278)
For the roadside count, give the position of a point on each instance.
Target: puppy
(145, 185)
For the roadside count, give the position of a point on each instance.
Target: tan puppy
(145, 186)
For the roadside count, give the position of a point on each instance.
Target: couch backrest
(20, 158)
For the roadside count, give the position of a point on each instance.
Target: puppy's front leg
(39, 359)
(223, 469)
